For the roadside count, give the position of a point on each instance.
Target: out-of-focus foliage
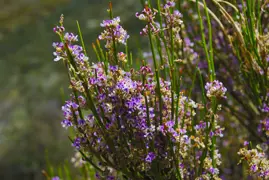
(16, 13)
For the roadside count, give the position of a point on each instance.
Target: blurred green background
(30, 98)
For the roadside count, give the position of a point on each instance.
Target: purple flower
(219, 132)
(265, 108)
(59, 29)
(66, 123)
(246, 143)
(113, 68)
(110, 177)
(264, 126)
(188, 42)
(134, 103)
(150, 157)
(74, 106)
(211, 134)
(216, 89)
(77, 142)
(59, 51)
(213, 170)
(201, 125)
(186, 139)
(145, 70)
(70, 37)
(97, 176)
(69, 110)
(169, 4)
(148, 15)
(110, 22)
(55, 178)
(82, 101)
(170, 124)
(254, 168)
(81, 122)
(113, 31)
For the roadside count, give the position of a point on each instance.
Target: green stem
(212, 70)
(81, 39)
(208, 58)
(158, 89)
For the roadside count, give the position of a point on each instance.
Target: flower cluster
(113, 32)
(264, 126)
(148, 15)
(174, 19)
(265, 106)
(122, 57)
(215, 89)
(66, 49)
(59, 29)
(258, 163)
(189, 52)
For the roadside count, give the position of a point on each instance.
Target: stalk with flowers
(137, 122)
(241, 41)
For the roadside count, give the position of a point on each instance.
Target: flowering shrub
(137, 122)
